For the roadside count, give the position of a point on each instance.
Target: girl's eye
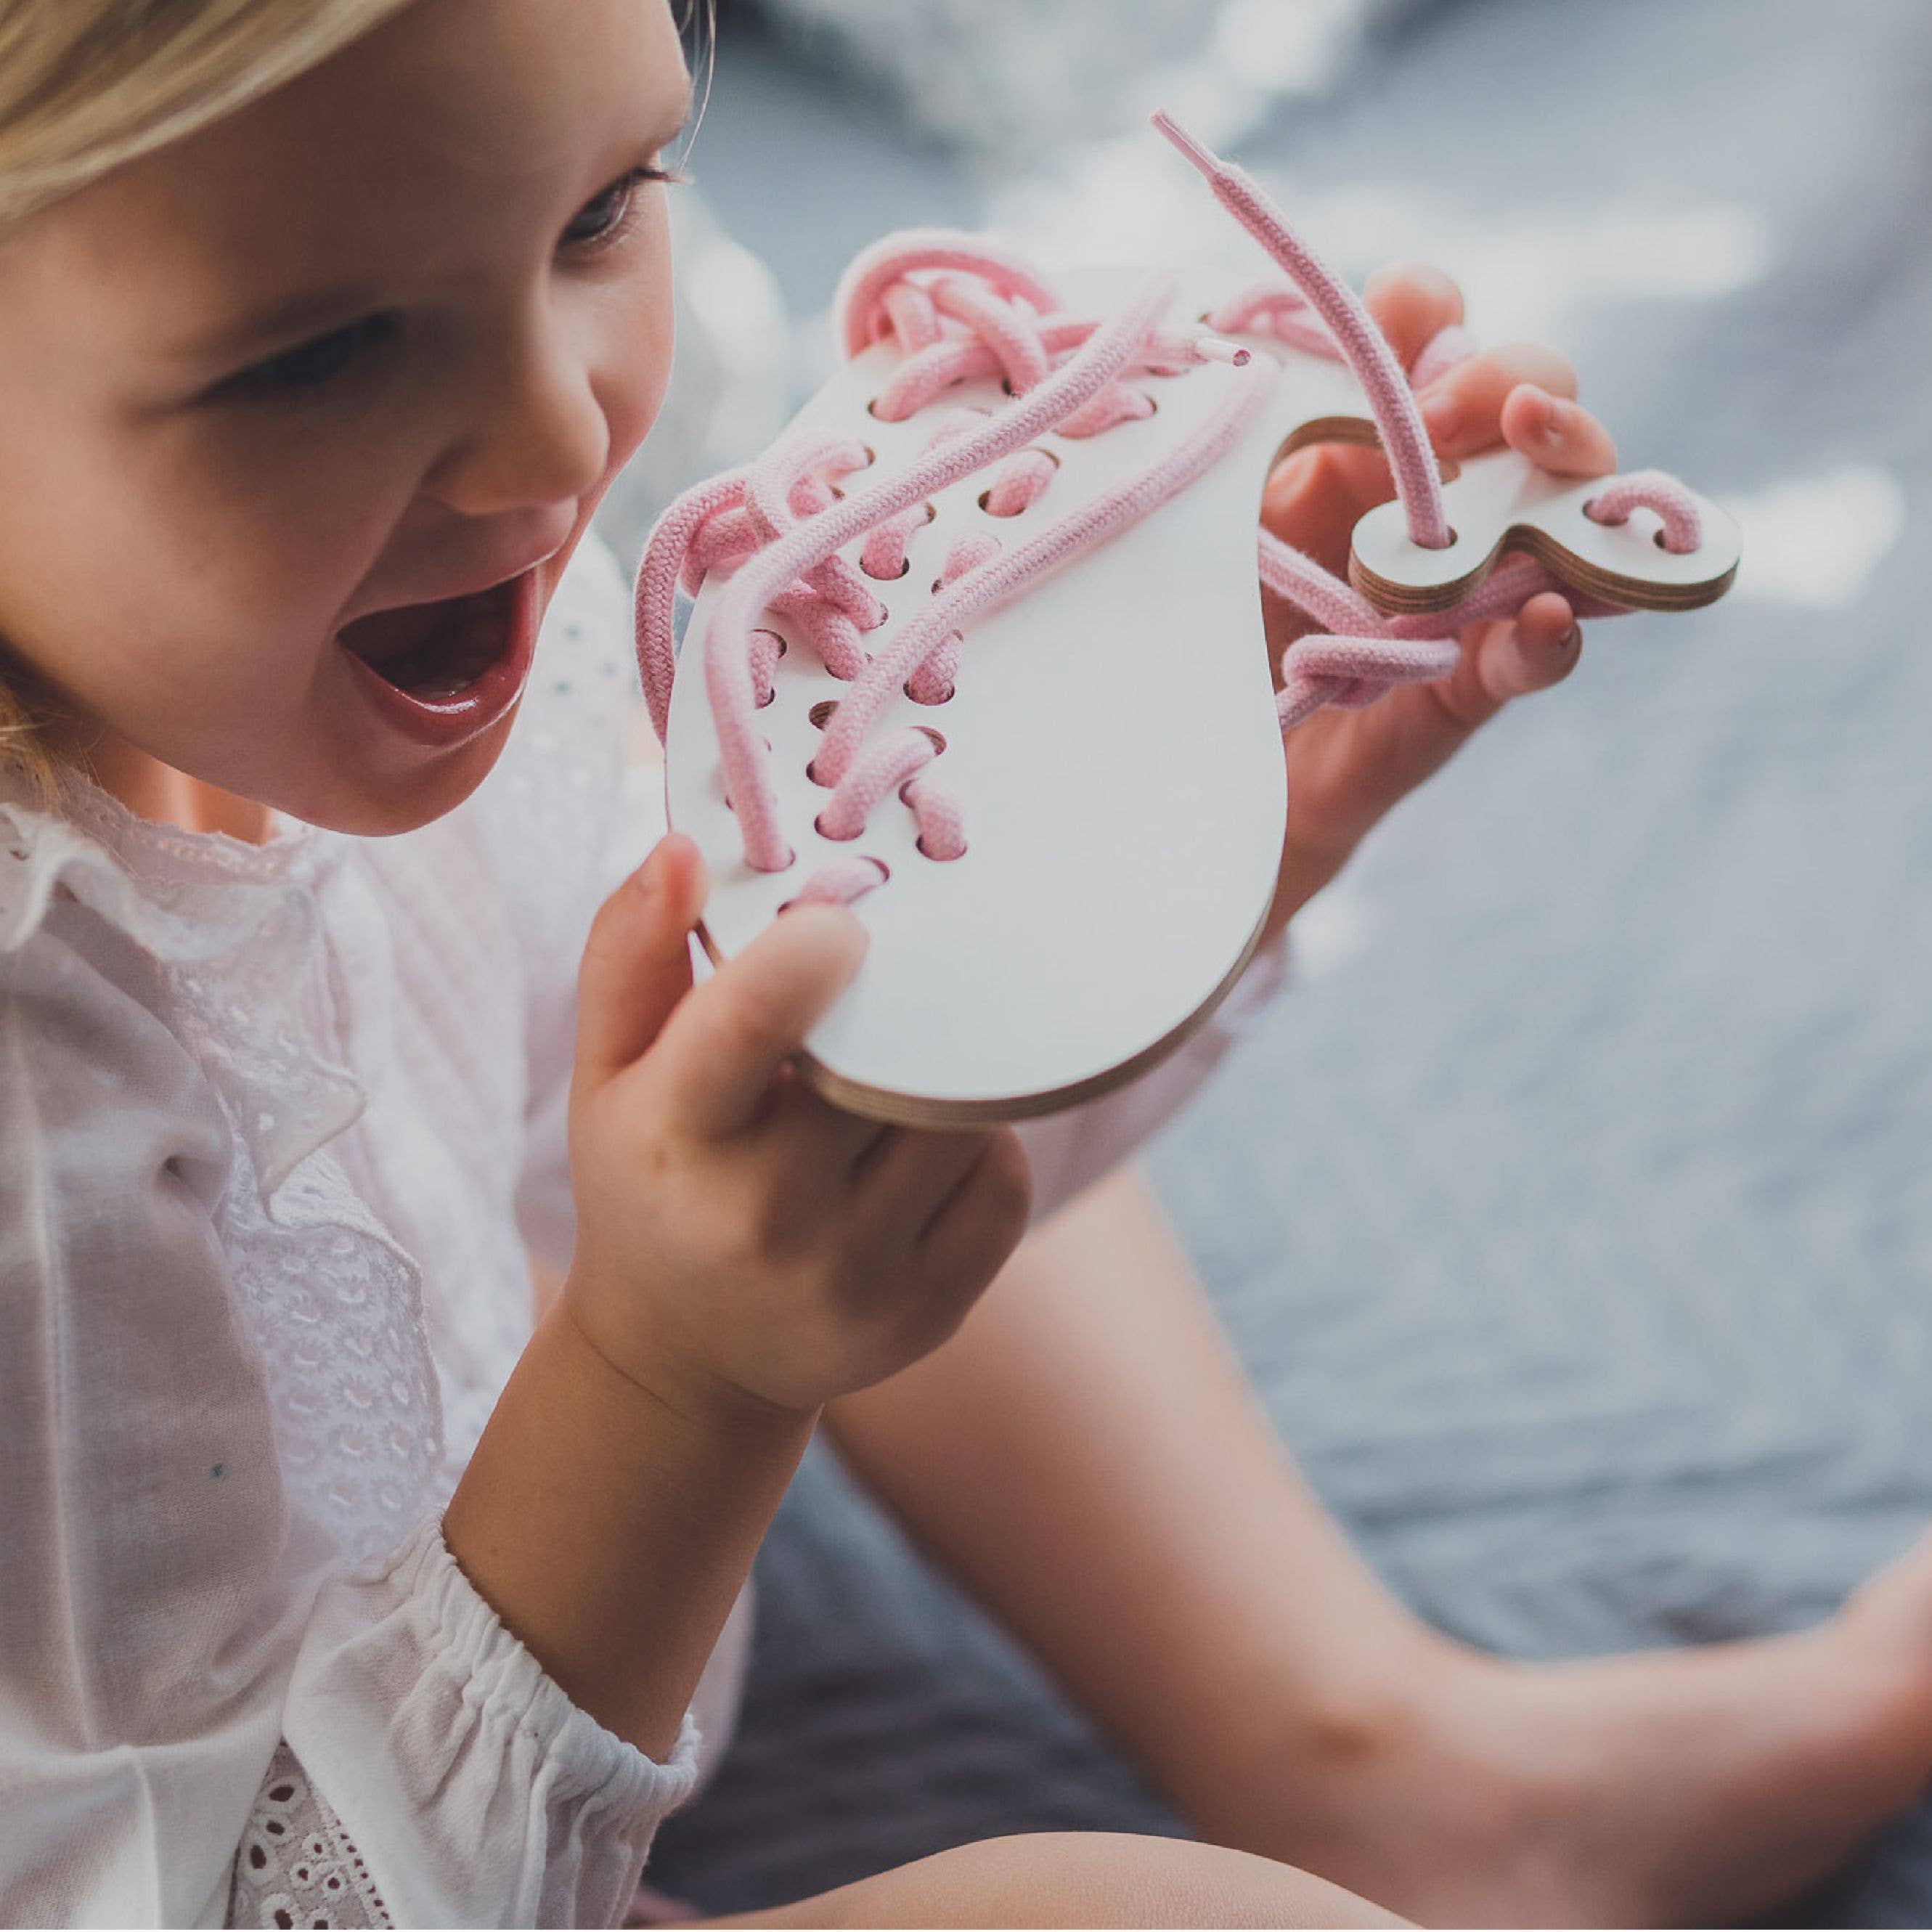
(311, 365)
(602, 219)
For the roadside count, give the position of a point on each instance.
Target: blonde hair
(87, 85)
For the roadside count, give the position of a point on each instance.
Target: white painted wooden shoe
(1112, 736)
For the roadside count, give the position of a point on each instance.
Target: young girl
(346, 1581)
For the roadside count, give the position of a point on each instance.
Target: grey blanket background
(1573, 1212)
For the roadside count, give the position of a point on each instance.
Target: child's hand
(738, 1237)
(1346, 769)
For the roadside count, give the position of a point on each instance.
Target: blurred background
(1573, 1210)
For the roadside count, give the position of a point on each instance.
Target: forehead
(459, 126)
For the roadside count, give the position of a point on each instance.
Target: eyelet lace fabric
(297, 1866)
(330, 1302)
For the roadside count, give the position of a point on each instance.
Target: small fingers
(829, 1142)
(980, 1223)
(1411, 303)
(910, 1174)
(1558, 436)
(636, 967)
(1463, 408)
(1540, 648)
(720, 1050)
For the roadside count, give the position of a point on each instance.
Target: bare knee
(1084, 1879)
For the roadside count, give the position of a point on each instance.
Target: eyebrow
(298, 318)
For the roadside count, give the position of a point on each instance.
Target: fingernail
(1571, 639)
(1553, 424)
(1441, 415)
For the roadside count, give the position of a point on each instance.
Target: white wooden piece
(1499, 502)
(1112, 740)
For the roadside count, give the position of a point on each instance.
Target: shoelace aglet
(1218, 349)
(1203, 157)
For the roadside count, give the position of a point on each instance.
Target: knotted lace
(960, 309)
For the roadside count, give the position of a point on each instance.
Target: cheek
(634, 358)
(190, 595)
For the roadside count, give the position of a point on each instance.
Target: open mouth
(433, 652)
(443, 672)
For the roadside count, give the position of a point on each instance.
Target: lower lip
(443, 723)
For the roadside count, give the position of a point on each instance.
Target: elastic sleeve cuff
(477, 1792)
(474, 1651)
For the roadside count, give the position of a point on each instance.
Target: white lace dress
(277, 1126)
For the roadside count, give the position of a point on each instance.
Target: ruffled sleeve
(174, 1603)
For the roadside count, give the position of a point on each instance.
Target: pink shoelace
(777, 528)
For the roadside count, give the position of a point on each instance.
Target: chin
(386, 805)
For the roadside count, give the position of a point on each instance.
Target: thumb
(636, 961)
(723, 1048)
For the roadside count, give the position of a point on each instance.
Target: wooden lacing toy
(977, 645)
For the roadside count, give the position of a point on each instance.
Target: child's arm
(742, 1254)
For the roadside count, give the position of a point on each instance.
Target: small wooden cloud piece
(1499, 502)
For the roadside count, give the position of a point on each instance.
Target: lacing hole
(1154, 403)
(872, 456)
(770, 697)
(885, 870)
(984, 505)
(821, 713)
(946, 700)
(818, 826)
(811, 772)
(905, 566)
(920, 845)
(1007, 384)
(932, 513)
(938, 738)
(872, 410)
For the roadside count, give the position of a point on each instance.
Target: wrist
(689, 1394)
(611, 1522)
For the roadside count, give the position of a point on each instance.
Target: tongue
(430, 650)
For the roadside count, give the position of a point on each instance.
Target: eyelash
(312, 366)
(625, 186)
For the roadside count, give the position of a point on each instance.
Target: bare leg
(1087, 1457)
(1082, 1879)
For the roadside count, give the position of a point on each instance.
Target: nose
(534, 433)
